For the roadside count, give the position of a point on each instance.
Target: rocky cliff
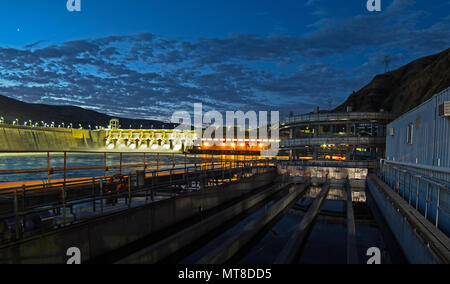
(403, 89)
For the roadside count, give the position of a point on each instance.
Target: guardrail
(334, 140)
(422, 187)
(334, 164)
(156, 162)
(63, 202)
(338, 117)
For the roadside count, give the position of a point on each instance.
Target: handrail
(78, 182)
(61, 169)
(188, 160)
(393, 173)
(330, 163)
(425, 179)
(103, 179)
(339, 117)
(420, 167)
(198, 173)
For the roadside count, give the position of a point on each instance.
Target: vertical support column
(427, 200)
(145, 161)
(63, 197)
(157, 162)
(101, 196)
(195, 169)
(352, 252)
(93, 195)
(315, 154)
(291, 152)
(16, 214)
(48, 168)
(417, 194)
(129, 191)
(65, 168)
(222, 163)
(410, 188)
(173, 160)
(24, 190)
(105, 164)
(121, 157)
(185, 167)
(153, 187)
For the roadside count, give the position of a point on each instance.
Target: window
(410, 134)
(392, 131)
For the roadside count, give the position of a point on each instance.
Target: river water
(33, 161)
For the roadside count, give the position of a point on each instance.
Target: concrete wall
(117, 230)
(16, 138)
(321, 172)
(337, 176)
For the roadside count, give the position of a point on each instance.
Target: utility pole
(387, 62)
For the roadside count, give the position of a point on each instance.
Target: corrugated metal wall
(431, 135)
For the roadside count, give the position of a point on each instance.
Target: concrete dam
(17, 138)
(14, 138)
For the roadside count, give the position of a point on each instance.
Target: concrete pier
(291, 251)
(232, 246)
(163, 249)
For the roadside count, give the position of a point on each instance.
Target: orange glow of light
(338, 158)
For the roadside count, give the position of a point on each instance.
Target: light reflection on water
(195, 257)
(327, 242)
(30, 161)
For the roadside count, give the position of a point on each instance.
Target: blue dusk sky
(147, 58)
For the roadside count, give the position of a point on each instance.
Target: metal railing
(347, 140)
(421, 188)
(338, 117)
(24, 209)
(155, 163)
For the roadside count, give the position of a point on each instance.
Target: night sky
(147, 58)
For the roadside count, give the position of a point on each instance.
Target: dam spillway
(15, 138)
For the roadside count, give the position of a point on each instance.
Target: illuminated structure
(236, 145)
(242, 143)
(148, 139)
(335, 136)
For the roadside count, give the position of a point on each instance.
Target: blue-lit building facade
(417, 163)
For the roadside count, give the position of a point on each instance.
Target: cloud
(150, 76)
